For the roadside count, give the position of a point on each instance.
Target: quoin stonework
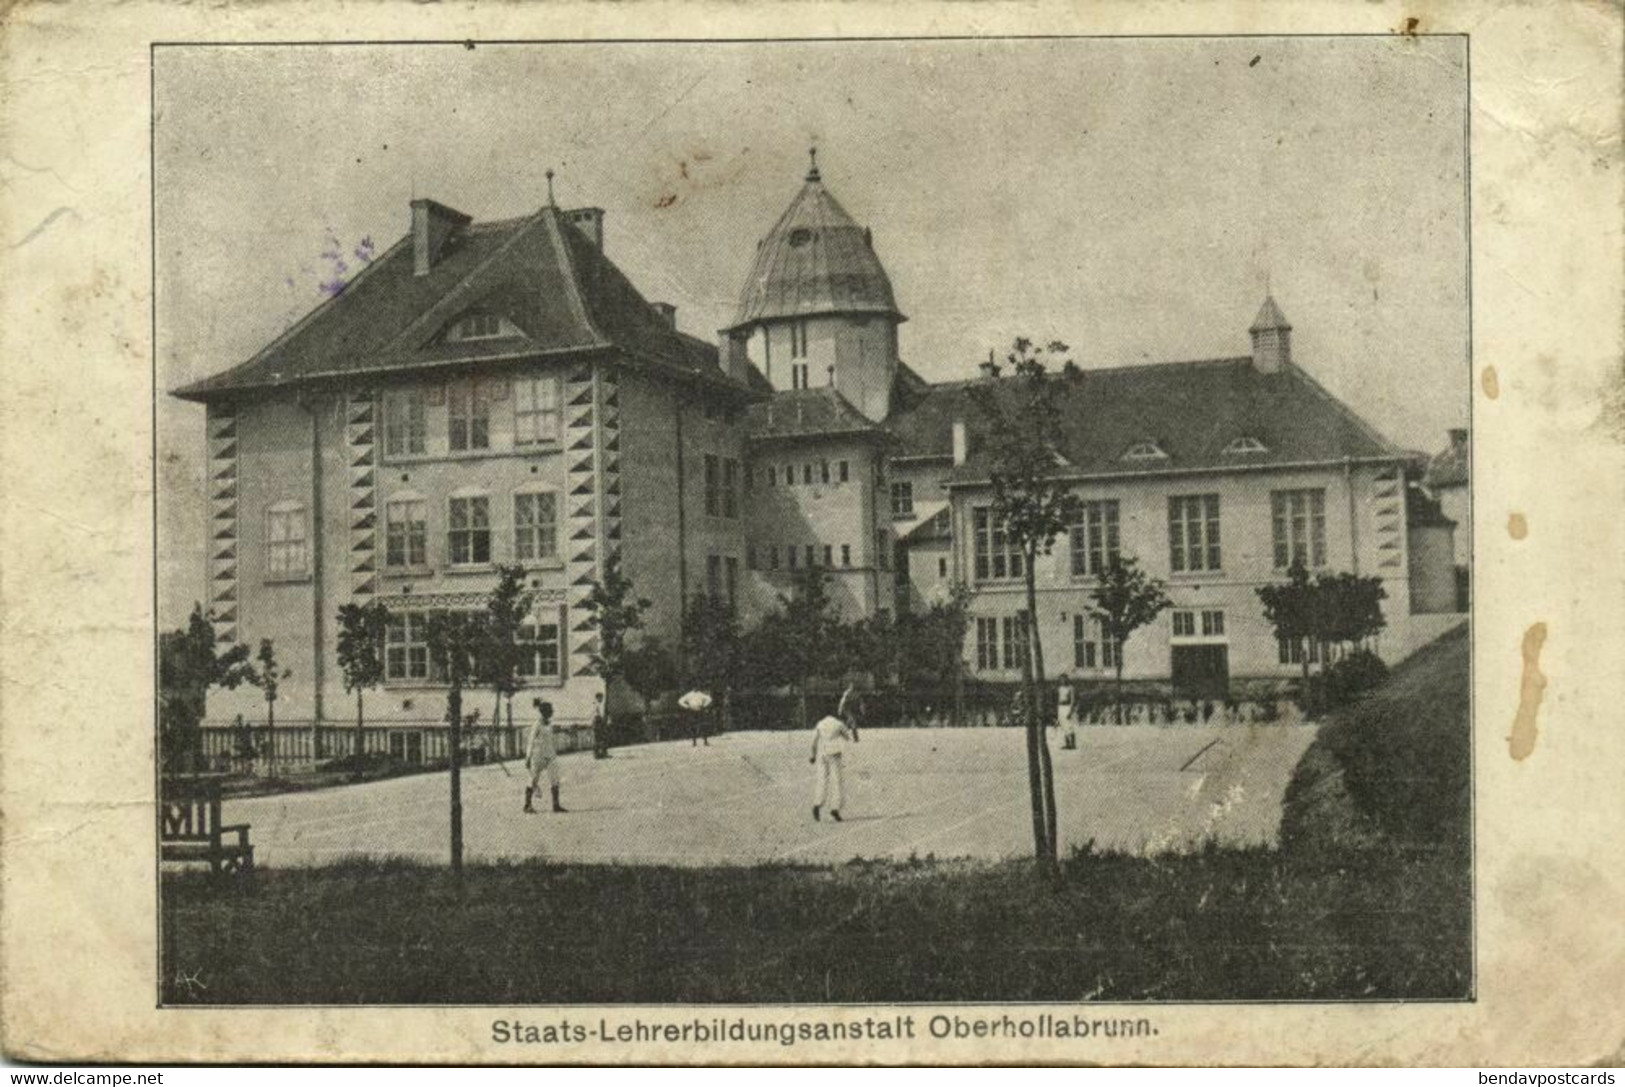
(487, 393)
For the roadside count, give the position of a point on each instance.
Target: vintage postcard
(679, 534)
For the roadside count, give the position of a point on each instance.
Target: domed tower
(818, 308)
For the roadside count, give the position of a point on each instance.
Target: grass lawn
(1368, 898)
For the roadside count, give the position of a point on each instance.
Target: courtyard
(745, 799)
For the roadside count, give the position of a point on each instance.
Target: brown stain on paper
(1521, 744)
(1517, 526)
(1492, 383)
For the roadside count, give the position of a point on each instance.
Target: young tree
(190, 661)
(710, 647)
(1033, 503)
(1314, 614)
(268, 676)
(1125, 600)
(614, 613)
(931, 645)
(650, 669)
(799, 640)
(505, 612)
(362, 628)
(456, 642)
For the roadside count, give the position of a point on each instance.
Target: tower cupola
(1272, 338)
(817, 307)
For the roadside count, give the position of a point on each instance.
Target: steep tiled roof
(806, 413)
(540, 272)
(1191, 411)
(816, 259)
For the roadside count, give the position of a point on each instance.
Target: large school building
(499, 392)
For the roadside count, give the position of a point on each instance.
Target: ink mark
(1491, 382)
(1517, 526)
(1254, 62)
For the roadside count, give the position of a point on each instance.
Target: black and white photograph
(814, 522)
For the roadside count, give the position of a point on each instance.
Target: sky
(1130, 197)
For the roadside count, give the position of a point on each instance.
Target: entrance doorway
(1201, 671)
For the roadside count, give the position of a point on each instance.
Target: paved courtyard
(747, 798)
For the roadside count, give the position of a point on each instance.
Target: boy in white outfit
(829, 740)
(542, 756)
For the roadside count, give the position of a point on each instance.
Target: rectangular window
(286, 534)
(789, 475)
(1184, 624)
(771, 473)
(1015, 639)
(731, 566)
(846, 471)
(987, 644)
(811, 562)
(996, 558)
(823, 471)
(750, 479)
(730, 488)
(902, 499)
(829, 554)
(469, 539)
(846, 554)
(406, 645)
(1193, 532)
(1096, 540)
(798, 343)
(405, 423)
(773, 556)
(536, 411)
(713, 576)
(883, 549)
(541, 656)
(1298, 519)
(406, 533)
(535, 526)
(942, 567)
(1212, 624)
(713, 485)
(1083, 644)
(750, 556)
(790, 555)
(806, 475)
(468, 415)
(798, 375)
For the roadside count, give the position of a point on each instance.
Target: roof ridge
(1087, 371)
(577, 299)
(1341, 408)
(445, 299)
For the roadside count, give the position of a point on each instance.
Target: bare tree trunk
(360, 729)
(454, 708)
(1035, 771)
(1040, 709)
(270, 739)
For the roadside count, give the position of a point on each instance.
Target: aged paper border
(77, 931)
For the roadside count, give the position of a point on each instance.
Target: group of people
(830, 737)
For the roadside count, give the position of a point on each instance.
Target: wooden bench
(191, 830)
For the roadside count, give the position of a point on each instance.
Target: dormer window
(800, 236)
(1243, 446)
(478, 326)
(1144, 451)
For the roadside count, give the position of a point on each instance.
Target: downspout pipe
(318, 617)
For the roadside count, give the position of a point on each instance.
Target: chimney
(667, 312)
(432, 224)
(989, 369)
(1272, 338)
(1458, 439)
(734, 356)
(961, 441)
(590, 221)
